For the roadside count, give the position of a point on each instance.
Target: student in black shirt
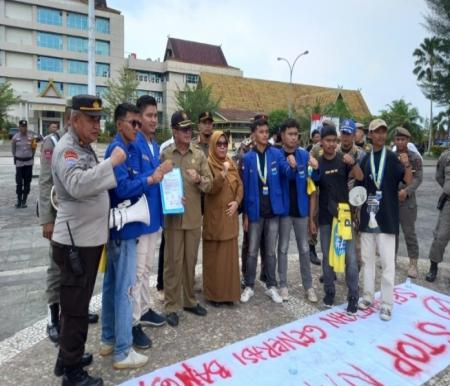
(332, 176)
(383, 171)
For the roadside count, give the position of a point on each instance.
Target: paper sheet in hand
(172, 192)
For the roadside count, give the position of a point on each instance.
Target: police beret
(87, 104)
(23, 122)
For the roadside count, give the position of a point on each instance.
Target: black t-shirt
(265, 207)
(293, 203)
(333, 188)
(387, 216)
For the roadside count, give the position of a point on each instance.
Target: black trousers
(23, 180)
(160, 279)
(75, 295)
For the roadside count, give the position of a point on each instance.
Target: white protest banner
(330, 348)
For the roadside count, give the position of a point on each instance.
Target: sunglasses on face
(222, 144)
(135, 123)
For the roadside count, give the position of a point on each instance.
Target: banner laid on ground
(331, 349)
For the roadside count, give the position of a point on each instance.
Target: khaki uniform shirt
(443, 172)
(416, 164)
(47, 213)
(316, 151)
(81, 185)
(22, 150)
(193, 159)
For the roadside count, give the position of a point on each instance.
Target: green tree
(438, 21)
(276, 118)
(7, 99)
(121, 90)
(193, 101)
(338, 109)
(401, 113)
(428, 59)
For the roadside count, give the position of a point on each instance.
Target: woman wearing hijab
(221, 226)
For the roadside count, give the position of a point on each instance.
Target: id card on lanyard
(263, 177)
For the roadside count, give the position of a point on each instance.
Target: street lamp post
(291, 70)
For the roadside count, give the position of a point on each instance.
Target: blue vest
(300, 175)
(276, 165)
(130, 186)
(147, 165)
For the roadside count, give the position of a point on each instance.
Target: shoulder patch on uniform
(48, 154)
(71, 157)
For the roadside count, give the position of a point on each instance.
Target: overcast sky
(357, 44)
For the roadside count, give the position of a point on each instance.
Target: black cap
(205, 116)
(87, 104)
(180, 120)
(23, 122)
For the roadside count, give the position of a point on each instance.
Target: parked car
(14, 130)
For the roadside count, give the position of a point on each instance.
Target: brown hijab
(216, 164)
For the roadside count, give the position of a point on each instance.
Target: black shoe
(24, 204)
(86, 360)
(432, 273)
(328, 300)
(140, 340)
(53, 332)
(93, 318)
(313, 257)
(79, 377)
(197, 310)
(352, 307)
(18, 204)
(215, 304)
(151, 318)
(172, 319)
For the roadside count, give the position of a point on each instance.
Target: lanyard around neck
(378, 174)
(262, 177)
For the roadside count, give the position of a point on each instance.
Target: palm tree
(428, 56)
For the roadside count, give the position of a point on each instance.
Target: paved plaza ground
(27, 356)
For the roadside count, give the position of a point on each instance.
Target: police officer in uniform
(407, 199)
(205, 129)
(81, 228)
(442, 231)
(360, 138)
(23, 147)
(47, 215)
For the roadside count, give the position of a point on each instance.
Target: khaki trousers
(180, 258)
(441, 235)
(408, 216)
(384, 243)
(145, 252)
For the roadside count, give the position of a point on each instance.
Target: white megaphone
(126, 213)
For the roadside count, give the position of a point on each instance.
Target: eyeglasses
(135, 123)
(222, 144)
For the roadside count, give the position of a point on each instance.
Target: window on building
(102, 47)
(76, 89)
(77, 67)
(102, 70)
(102, 25)
(157, 95)
(42, 84)
(47, 63)
(191, 79)
(49, 16)
(49, 40)
(77, 44)
(100, 91)
(77, 21)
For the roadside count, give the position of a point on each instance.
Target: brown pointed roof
(194, 52)
(247, 94)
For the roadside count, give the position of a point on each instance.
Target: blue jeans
(117, 300)
(351, 265)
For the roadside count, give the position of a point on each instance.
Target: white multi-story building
(43, 54)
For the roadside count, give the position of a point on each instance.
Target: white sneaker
(364, 304)
(311, 295)
(132, 361)
(385, 313)
(247, 294)
(284, 293)
(273, 294)
(106, 349)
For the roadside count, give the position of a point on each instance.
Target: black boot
(19, 201)
(53, 326)
(86, 360)
(432, 273)
(24, 200)
(313, 255)
(93, 318)
(79, 377)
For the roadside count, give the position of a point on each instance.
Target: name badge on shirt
(265, 190)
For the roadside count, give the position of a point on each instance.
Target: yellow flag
(336, 253)
(310, 186)
(103, 261)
